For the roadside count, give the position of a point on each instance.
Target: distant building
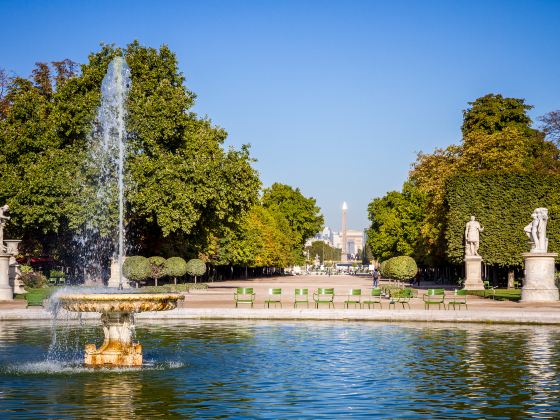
(355, 239)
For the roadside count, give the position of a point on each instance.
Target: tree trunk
(511, 279)
(194, 279)
(175, 280)
(156, 281)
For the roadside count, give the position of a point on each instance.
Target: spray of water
(103, 237)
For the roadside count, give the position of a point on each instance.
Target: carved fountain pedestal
(117, 316)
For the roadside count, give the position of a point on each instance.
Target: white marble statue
(472, 237)
(3, 220)
(536, 230)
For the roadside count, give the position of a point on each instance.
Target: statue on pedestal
(3, 220)
(536, 230)
(472, 237)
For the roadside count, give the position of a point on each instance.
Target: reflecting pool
(199, 369)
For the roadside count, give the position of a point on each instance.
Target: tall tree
(182, 185)
(302, 214)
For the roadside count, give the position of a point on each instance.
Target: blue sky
(334, 97)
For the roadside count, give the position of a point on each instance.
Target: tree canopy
(182, 185)
(497, 137)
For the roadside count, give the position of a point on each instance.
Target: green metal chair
(401, 296)
(354, 298)
(374, 297)
(434, 297)
(489, 287)
(459, 297)
(52, 281)
(323, 295)
(244, 295)
(274, 296)
(301, 296)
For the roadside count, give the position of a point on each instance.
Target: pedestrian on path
(375, 277)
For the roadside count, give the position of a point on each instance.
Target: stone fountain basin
(119, 302)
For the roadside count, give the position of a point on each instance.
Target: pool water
(203, 369)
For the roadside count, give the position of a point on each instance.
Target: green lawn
(500, 294)
(35, 297)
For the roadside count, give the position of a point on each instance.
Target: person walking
(375, 277)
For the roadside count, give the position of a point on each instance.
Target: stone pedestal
(12, 248)
(115, 273)
(6, 291)
(473, 273)
(117, 349)
(539, 277)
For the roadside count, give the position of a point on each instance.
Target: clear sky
(334, 97)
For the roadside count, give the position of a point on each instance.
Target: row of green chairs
(438, 297)
(322, 296)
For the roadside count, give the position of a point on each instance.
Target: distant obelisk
(344, 256)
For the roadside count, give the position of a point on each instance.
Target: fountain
(117, 309)
(117, 316)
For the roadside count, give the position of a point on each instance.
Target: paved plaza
(217, 303)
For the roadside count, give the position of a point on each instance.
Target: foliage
(182, 185)
(196, 267)
(175, 288)
(33, 280)
(324, 251)
(400, 268)
(382, 267)
(498, 294)
(264, 239)
(502, 203)
(157, 267)
(301, 213)
(56, 273)
(497, 136)
(136, 268)
(395, 223)
(492, 113)
(175, 267)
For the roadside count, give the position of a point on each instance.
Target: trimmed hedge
(137, 268)
(196, 267)
(175, 267)
(503, 204)
(400, 268)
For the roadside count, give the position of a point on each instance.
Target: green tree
(196, 267)
(183, 187)
(324, 251)
(395, 224)
(303, 216)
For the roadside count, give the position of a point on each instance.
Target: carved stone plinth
(115, 274)
(473, 273)
(6, 291)
(117, 348)
(539, 283)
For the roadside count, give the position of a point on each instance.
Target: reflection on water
(286, 370)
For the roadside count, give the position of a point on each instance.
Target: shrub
(175, 267)
(56, 273)
(382, 268)
(196, 267)
(136, 268)
(33, 280)
(401, 268)
(157, 267)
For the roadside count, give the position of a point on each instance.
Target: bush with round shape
(196, 267)
(175, 267)
(157, 267)
(33, 280)
(382, 268)
(401, 268)
(137, 268)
